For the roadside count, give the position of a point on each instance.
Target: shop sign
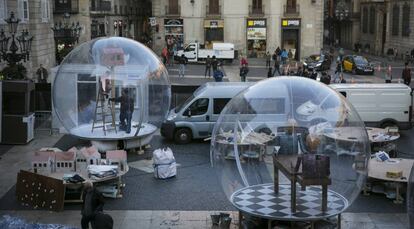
(213, 24)
(256, 33)
(152, 21)
(256, 23)
(173, 22)
(290, 23)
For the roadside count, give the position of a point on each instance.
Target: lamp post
(11, 53)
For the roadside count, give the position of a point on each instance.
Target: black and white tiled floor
(261, 201)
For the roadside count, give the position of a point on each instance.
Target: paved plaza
(187, 200)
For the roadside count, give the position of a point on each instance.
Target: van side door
(218, 106)
(198, 114)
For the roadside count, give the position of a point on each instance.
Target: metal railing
(289, 11)
(212, 12)
(72, 7)
(256, 11)
(173, 11)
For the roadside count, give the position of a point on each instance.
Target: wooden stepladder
(104, 114)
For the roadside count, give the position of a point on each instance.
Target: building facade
(98, 18)
(253, 26)
(36, 17)
(387, 25)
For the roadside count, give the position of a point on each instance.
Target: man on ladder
(127, 108)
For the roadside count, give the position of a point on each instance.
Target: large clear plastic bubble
(111, 88)
(290, 148)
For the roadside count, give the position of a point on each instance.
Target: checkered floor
(261, 201)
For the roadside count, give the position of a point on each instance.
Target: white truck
(194, 52)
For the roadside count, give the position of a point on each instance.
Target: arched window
(372, 18)
(365, 20)
(405, 30)
(395, 19)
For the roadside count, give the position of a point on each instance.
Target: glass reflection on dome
(294, 138)
(111, 88)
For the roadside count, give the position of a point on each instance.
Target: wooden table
(352, 134)
(378, 170)
(288, 165)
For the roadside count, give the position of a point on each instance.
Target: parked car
(357, 65)
(318, 62)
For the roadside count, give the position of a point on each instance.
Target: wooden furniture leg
(324, 197)
(339, 221)
(240, 219)
(276, 179)
(398, 198)
(293, 194)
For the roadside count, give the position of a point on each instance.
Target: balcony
(70, 6)
(101, 6)
(255, 11)
(291, 11)
(173, 11)
(213, 12)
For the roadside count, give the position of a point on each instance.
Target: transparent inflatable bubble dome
(111, 88)
(290, 147)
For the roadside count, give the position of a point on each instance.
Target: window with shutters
(365, 20)
(372, 19)
(3, 11)
(405, 30)
(395, 19)
(45, 10)
(23, 10)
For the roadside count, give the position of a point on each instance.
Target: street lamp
(11, 54)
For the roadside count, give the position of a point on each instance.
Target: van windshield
(179, 107)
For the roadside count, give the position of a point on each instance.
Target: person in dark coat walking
(208, 67)
(93, 203)
(214, 64)
(127, 108)
(276, 67)
(406, 75)
(218, 76)
(243, 72)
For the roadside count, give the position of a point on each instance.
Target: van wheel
(388, 124)
(183, 136)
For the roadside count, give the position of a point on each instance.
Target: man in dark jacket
(214, 64)
(406, 75)
(93, 203)
(208, 67)
(127, 108)
(276, 67)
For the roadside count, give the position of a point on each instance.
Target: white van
(195, 53)
(378, 105)
(195, 118)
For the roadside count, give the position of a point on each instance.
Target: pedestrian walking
(278, 51)
(214, 64)
(208, 67)
(269, 73)
(341, 78)
(164, 54)
(268, 59)
(243, 72)
(92, 204)
(406, 75)
(284, 56)
(290, 54)
(183, 63)
(338, 70)
(276, 67)
(388, 74)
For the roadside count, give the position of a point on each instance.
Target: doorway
(290, 41)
